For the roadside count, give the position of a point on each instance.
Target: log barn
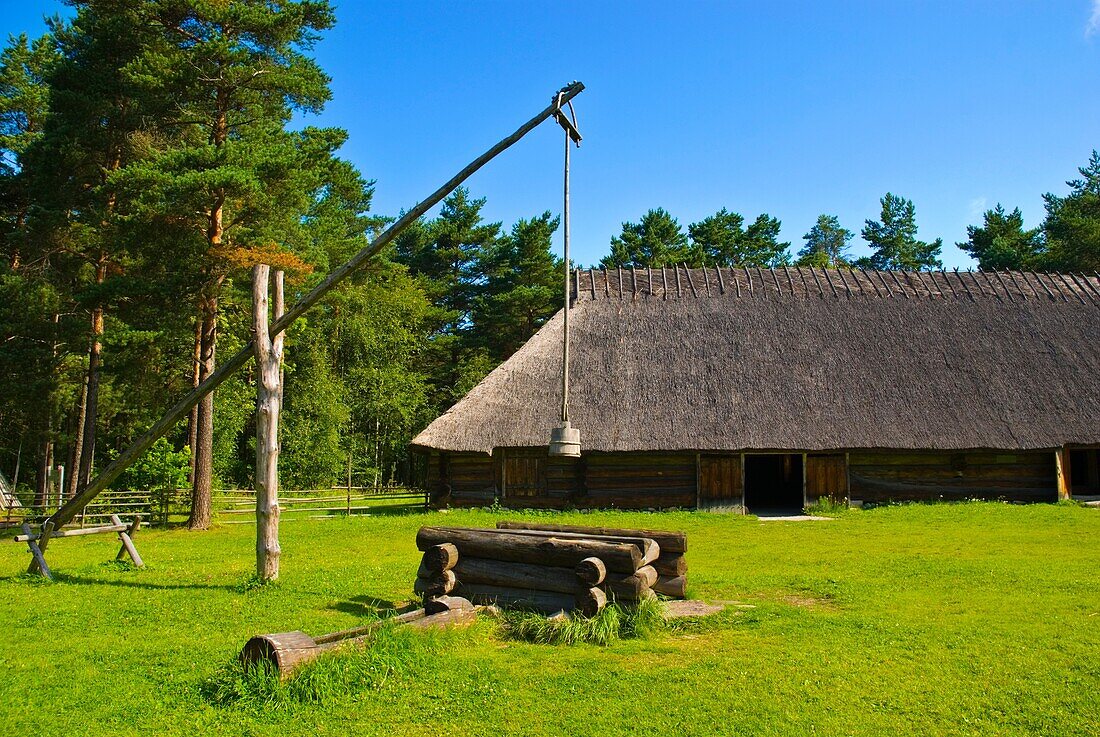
(769, 389)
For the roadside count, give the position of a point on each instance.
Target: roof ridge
(834, 282)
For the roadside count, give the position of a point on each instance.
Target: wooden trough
(283, 652)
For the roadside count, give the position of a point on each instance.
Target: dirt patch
(683, 608)
(808, 602)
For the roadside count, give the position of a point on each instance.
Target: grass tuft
(825, 507)
(614, 622)
(391, 652)
(252, 582)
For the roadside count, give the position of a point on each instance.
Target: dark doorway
(773, 483)
(1084, 472)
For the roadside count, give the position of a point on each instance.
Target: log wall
(886, 476)
(527, 477)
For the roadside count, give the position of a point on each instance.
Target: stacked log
(542, 572)
(670, 565)
(435, 578)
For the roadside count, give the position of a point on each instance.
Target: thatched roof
(809, 359)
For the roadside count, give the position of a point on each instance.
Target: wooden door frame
(744, 489)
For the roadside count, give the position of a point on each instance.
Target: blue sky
(794, 109)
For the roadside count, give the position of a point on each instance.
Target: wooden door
(524, 474)
(827, 476)
(720, 480)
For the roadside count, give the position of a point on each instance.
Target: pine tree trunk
(78, 441)
(193, 417)
(268, 405)
(204, 426)
(91, 404)
(203, 450)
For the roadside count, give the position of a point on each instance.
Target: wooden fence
(164, 507)
(238, 506)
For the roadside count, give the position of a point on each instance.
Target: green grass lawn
(947, 619)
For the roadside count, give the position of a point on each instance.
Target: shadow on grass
(91, 581)
(371, 605)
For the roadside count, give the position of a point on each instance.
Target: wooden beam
(128, 542)
(1061, 473)
(180, 410)
(39, 564)
(73, 533)
(269, 400)
(130, 531)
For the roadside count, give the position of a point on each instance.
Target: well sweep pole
(227, 369)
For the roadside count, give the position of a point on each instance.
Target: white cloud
(978, 204)
(1094, 20)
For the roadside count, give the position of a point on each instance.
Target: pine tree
(1072, 225)
(226, 182)
(523, 288)
(656, 241)
(826, 243)
(24, 105)
(722, 240)
(92, 130)
(1001, 241)
(894, 239)
(447, 255)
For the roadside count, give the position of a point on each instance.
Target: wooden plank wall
(826, 477)
(463, 479)
(885, 476)
(720, 480)
(640, 480)
(665, 480)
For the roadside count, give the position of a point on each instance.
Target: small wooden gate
(720, 481)
(827, 478)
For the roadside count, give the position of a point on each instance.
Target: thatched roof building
(799, 360)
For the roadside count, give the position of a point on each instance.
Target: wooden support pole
(231, 366)
(38, 561)
(269, 397)
(127, 539)
(38, 565)
(78, 532)
(1061, 472)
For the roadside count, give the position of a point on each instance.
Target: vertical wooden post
(847, 480)
(698, 480)
(269, 396)
(38, 562)
(805, 498)
(1061, 474)
(744, 510)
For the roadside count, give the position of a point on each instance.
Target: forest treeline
(148, 160)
